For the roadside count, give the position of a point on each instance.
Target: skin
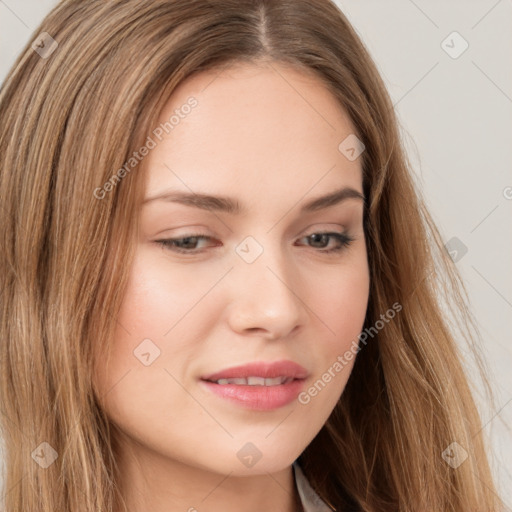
(268, 136)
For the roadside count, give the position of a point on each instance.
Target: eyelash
(170, 244)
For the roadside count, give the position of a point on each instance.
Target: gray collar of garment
(310, 500)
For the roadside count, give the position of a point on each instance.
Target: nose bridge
(265, 296)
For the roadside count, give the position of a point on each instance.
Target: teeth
(255, 381)
(276, 381)
(239, 381)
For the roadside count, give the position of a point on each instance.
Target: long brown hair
(71, 118)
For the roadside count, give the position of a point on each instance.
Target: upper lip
(261, 369)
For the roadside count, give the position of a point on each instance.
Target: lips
(260, 386)
(259, 373)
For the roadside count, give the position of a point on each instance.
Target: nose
(266, 298)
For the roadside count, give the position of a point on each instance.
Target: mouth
(258, 386)
(253, 381)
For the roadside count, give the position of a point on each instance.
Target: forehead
(262, 129)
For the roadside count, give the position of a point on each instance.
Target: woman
(219, 285)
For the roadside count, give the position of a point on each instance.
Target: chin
(257, 458)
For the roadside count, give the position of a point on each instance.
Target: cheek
(159, 315)
(149, 355)
(149, 310)
(340, 300)
(161, 298)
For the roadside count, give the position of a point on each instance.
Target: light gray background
(457, 127)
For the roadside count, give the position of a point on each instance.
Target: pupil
(187, 240)
(316, 237)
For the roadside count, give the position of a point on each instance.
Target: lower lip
(261, 398)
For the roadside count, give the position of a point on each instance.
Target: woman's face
(240, 287)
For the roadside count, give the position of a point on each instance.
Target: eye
(184, 245)
(188, 244)
(343, 240)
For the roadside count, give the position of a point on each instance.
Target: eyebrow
(232, 206)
